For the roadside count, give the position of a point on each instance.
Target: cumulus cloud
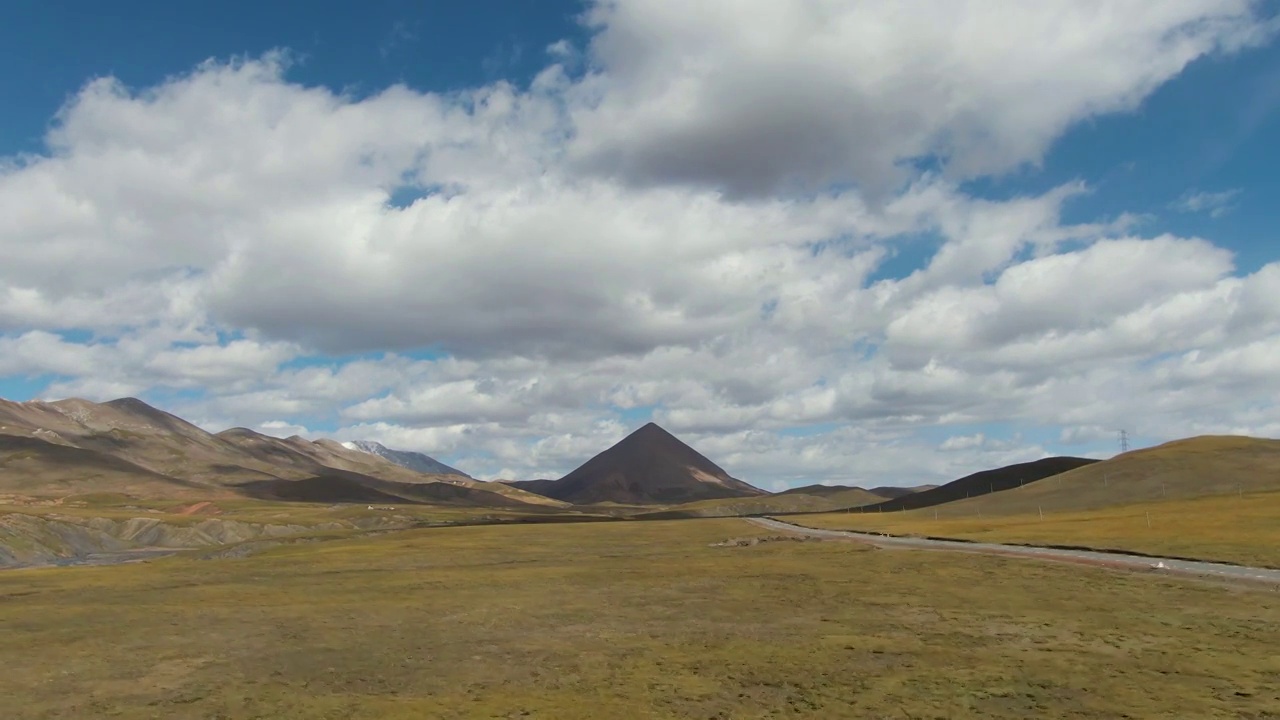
(38, 353)
(220, 363)
(761, 96)
(1053, 308)
(688, 219)
(282, 428)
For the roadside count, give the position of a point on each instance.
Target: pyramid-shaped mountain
(649, 466)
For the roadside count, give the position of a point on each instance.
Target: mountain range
(76, 447)
(404, 458)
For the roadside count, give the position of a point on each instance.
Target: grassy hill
(897, 492)
(882, 493)
(982, 483)
(32, 466)
(806, 499)
(1210, 497)
(1182, 469)
(1240, 528)
(789, 502)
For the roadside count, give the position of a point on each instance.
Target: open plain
(259, 577)
(627, 619)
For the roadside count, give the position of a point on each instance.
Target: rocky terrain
(55, 538)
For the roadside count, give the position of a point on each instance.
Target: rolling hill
(649, 466)
(897, 492)
(806, 499)
(982, 483)
(30, 466)
(1183, 469)
(839, 498)
(881, 493)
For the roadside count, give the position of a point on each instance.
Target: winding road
(1085, 557)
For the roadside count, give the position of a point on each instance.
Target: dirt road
(1087, 557)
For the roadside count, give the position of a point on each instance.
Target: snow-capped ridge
(404, 458)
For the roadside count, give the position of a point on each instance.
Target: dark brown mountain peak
(654, 434)
(648, 466)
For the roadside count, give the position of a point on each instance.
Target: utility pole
(1124, 441)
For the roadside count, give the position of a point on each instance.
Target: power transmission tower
(1124, 441)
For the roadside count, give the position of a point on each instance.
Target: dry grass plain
(627, 620)
(1242, 528)
(117, 506)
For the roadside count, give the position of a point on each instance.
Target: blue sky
(350, 47)
(1213, 129)
(610, 193)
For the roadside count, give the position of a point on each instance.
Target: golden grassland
(1240, 527)
(105, 528)
(627, 620)
(116, 506)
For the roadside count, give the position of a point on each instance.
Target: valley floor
(627, 620)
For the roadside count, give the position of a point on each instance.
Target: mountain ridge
(76, 446)
(410, 459)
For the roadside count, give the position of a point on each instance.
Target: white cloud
(1076, 305)
(281, 429)
(1086, 434)
(214, 364)
(963, 442)
(38, 353)
(1216, 204)
(757, 96)
(673, 229)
